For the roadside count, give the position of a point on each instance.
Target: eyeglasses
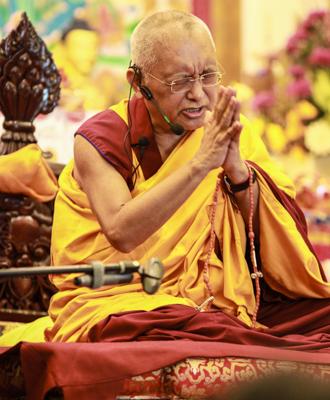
(185, 84)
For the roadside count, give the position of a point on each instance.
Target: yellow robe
(182, 244)
(26, 172)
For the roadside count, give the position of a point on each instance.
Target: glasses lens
(211, 79)
(181, 85)
(185, 84)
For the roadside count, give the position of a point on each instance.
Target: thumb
(236, 133)
(208, 117)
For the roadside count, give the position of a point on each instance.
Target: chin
(193, 125)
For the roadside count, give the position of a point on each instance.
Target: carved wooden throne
(29, 85)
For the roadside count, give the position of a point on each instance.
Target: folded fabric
(31, 332)
(26, 172)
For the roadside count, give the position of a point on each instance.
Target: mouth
(193, 112)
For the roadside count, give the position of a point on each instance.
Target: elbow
(120, 241)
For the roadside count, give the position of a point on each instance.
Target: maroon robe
(132, 343)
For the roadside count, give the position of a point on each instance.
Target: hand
(220, 130)
(233, 165)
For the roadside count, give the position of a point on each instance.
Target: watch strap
(238, 187)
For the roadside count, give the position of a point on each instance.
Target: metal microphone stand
(97, 274)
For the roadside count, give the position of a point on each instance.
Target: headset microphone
(142, 142)
(175, 128)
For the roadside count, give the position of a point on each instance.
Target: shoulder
(106, 125)
(106, 132)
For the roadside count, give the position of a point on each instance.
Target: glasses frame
(189, 80)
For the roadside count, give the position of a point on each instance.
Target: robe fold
(130, 332)
(26, 172)
(288, 263)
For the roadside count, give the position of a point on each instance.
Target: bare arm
(128, 222)
(243, 198)
(237, 172)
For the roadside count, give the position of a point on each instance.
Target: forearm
(243, 198)
(140, 217)
(243, 202)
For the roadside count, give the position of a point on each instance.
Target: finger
(208, 117)
(232, 91)
(223, 101)
(237, 112)
(227, 117)
(236, 116)
(226, 135)
(236, 130)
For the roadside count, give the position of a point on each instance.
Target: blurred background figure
(76, 56)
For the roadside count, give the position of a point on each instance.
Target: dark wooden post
(29, 85)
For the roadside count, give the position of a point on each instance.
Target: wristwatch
(238, 187)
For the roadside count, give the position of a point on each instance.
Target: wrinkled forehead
(184, 48)
(171, 39)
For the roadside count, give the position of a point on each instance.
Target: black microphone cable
(128, 150)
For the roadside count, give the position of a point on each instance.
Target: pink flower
(313, 18)
(320, 56)
(300, 89)
(297, 71)
(296, 41)
(263, 101)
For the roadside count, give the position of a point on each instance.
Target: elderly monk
(176, 172)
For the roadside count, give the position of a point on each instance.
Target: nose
(196, 92)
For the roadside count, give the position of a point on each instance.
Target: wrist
(238, 174)
(239, 187)
(198, 168)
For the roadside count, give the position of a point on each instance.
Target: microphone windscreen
(153, 274)
(143, 141)
(177, 129)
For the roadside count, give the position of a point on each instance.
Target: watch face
(238, 187)
(227, 183)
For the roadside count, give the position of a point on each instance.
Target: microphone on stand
(151, 275)
(97, 274)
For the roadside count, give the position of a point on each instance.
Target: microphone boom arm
(97, 274)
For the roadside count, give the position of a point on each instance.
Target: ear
(132, 79)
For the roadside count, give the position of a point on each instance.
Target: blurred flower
(297, 71)
(312, 18)
(297, 42)
(300, 89)
(306, 57)
(306, 110)
(321, 90)
(276, 138)
(263, 101)
(317, 137)
(320, 57)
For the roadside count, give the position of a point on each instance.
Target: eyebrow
(183, 74)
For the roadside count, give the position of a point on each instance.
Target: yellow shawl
(182, 243)
(26, 172)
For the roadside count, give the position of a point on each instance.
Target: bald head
(154, 35)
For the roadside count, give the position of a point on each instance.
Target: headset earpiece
(137, 74)
(146, 92)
